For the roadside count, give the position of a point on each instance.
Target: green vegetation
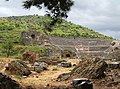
(11, 27)
(7, 48)
(55, 69)
(18, 76)
(17, 50)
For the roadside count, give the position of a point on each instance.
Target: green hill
(11, 28)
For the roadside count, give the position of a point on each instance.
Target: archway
(68, 55)
(33, 36)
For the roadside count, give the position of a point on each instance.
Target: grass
(11, 28)
(18, 51)
(18, 76)
(55, 69)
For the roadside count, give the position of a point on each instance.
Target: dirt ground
(45, 78)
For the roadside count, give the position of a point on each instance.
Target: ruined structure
(33, 37)
(67, 47)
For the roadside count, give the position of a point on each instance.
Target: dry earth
(46, 78)
(42, 79)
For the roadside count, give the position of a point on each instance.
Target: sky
(100, 15)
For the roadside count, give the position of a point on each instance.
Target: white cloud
(103, 15)
(6, 11)
(15, 8)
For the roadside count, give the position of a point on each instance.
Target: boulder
(31, 68)
(42, 65)
(65, 64)
(82, 83)
(64, 76)
(114, 65)
(39, 67)
(31, 56)
(8, 83)
(18, 67)
(115, 45)
(92, 68)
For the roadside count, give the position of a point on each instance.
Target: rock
(82, 83)
(63, 76)
(32, 68)
(41, 64)
(114, 65)
(8, 83)
(39, 67)
(18, 67)
(65, 64)
(92, 69)
(24, 76)
(31, 56)
(36, 64)
(115, 44)
(113, 83)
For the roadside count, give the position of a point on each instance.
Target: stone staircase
(83, 46)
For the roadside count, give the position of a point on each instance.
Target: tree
(8, 46)
(56, 8)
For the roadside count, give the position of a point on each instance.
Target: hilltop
(11, 27)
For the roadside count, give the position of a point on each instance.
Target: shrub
(8, 47)
(55, 69)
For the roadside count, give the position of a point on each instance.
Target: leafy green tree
(56, 8)
(8, 47)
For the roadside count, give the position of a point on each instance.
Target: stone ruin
(21, 68)
(52, 51)
(57, 46)
(114, 50)
(33, 37)
(17, 67)
(30, 56)
(97, 70)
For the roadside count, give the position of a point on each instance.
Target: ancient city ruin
(68, 47)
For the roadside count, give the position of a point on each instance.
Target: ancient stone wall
(55, 44)
(33, 37)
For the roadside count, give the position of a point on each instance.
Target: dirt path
(4, 62)
(47, 77)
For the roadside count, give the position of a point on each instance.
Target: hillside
(11, 28)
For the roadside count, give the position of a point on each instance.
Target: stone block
(65, 64)
(82, 83)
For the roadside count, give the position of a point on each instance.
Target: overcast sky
(100, 15)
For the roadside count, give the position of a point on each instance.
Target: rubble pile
(17, 67)
(39, 67)
(101, 73)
